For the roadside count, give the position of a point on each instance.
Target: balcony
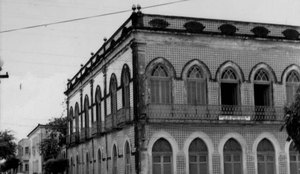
(82, 135)
(213, 113)
(124, 115)
(68, 139)
(121, 117)
(94, 129)
(73, 138)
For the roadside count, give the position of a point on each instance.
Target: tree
(51, 146)
(7, 144)
(59, 127)
(10, 163)
(292, 120)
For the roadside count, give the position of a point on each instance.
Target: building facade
(35, 137)
(181, 95)
(23, 153)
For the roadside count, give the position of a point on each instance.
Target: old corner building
(181, 95)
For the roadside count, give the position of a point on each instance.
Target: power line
(88, 17)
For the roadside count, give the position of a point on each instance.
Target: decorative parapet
(188, 25)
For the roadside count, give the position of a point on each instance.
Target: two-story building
(35, 137)
(181, 95)
(23, 153)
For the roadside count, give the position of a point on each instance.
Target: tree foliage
(7, 144)
(292, 121)
(10, 163)
(59, 125)
(51, 146)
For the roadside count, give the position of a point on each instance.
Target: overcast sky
(40, 60)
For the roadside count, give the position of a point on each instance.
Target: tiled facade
(100, 123)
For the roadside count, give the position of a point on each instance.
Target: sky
(40, 60)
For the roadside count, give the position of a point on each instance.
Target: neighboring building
(35, 137)
(180, 95)
(23, 153)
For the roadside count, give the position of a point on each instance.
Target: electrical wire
(88, 17)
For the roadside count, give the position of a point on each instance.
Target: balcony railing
(68, 139)
(73, 138)
(82, 135)
(189, 113)
(122, 116)
(94, 129)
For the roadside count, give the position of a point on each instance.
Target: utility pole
(2, 76)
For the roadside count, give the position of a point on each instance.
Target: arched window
(87, 169)
(265, 157)
(71, 121)
(198, 157)
(162, 157)
(294, 160)
(99, 161)
(86, 113)
(230, 94)
(292, 84)
(232, 157)
(196, 86)
(127, 159)
(262, 89)
(113, 98)
(98, 107)
(78, 121)
(115, 160)
(161, 89)
(262, 94)
(126, 90)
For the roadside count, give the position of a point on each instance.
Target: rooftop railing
(190, 113)
(185, 25)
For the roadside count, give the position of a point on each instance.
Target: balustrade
(213, 112)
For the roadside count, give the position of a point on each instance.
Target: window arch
(265, 157)
(232, 157)
(262, 76)
(113, 98)
(86, 112)
(162, 157)
(294, 160)
(196, 86)
(160, 85)
(99, 162)
(126, 88)
(115, 160)
(127, 158)
(98, 108)
(292, 84)
(198, 157)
